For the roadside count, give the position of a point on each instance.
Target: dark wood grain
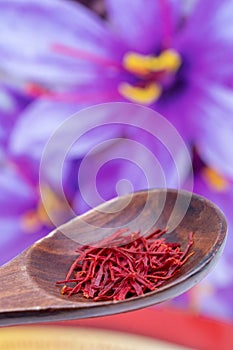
(28, 293)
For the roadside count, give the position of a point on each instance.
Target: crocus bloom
(66, 58)
(154, 56)
(23, 216)
(16, 194)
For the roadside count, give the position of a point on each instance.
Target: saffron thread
(123, 266)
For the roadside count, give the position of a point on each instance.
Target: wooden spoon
(28, 293)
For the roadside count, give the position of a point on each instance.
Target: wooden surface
(28, 293)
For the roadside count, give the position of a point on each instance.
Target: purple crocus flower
(181, 66)
(65, 57)
(16, 194)
(23, 217)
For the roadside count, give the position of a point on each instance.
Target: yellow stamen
(168, 60)
(136, 63)
(30, 221)
(34, 219)
(54, 204)
(215, 180)
(145, 95)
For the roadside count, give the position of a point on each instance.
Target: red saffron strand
(37, 90)
(167, 30)
(85, 55)
(124, 266)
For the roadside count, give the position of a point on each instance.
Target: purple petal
(210, 57)
(13, 240)
(181, 106)
(42, 118)
(215, 130)
(36, 125)
(8, 104)
(133, 162)
(16, 194)
(11, 103)
(143, 25)
(53, 42)
(220, 17)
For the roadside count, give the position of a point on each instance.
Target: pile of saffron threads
(118, 268)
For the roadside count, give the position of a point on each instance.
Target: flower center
(151, 73)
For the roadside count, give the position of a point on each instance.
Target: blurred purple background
(58, 57)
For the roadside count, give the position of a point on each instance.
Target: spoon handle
(12, 276)
(21, 298)
(18, 294)
(15, 288)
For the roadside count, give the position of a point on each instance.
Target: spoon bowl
(28, 283)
